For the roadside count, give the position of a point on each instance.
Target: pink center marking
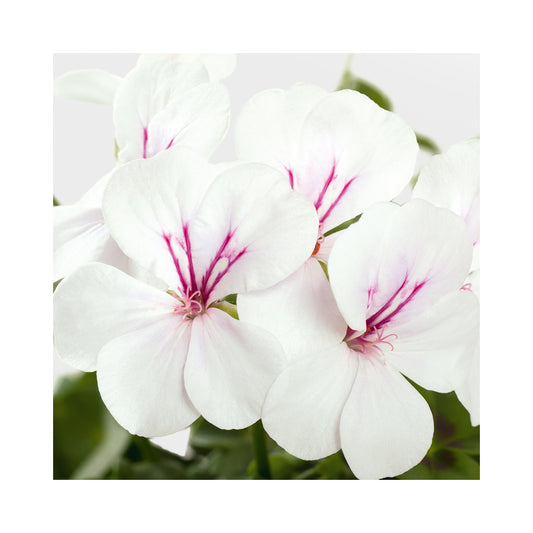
(371, 342)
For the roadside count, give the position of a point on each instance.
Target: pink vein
(214, 261)
(175, 259)
(328, 182)
(145, 141)
(224, 272)
(192, 275)
(337, 200)
(389, 317)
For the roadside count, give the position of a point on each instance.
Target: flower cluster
(332, 317)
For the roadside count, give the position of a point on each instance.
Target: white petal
(219, 66)
(428, 348)
(352, 154)
(452, 180)
(386, 426)
(468, 388)
(148, 89)
(98, 303)
(148, 204)
(269, 126)
(93, 85)
(300, 311)
(199, 120)
(140, 378)
(398, 261)
(229, 369)
(303, 407)
(251, 231)
(81, 236)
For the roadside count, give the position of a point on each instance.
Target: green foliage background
(89, 444)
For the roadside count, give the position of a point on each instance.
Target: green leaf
(56, 202)
(282, 466)
(445, 464)
(87, 440)
(350, 81)
(427, 144)
(342, 226)
(332, 467)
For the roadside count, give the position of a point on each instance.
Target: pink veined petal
(269, 126)
(97, 303)
(406, 258)
(303, 407)
(386, 426)
(245, 230)
(199, 119)
(92, 85)
(230, 367)
(352, 153)
(140, 377)
(250, 232)
(148, 206)
(148, 89)
(300, 311)
(428, 349)
(81, 236)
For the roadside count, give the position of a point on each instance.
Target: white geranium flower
(341, 150)
(452, 180)
(396, 278)
(160, 104)
(164, 358)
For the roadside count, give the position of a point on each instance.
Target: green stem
(260, 450)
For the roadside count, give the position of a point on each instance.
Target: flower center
(190, 304)
(371, 343)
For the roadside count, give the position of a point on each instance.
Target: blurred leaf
(332, 467)
(350, 81)
(220, 454)
(86, 437)
(56, 283)
(283, 466)
(427, 144)
(445, 464)
(56, 202)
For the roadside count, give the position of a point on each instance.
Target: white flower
(452, 180)
(396, 278)
(160, 104)
(339, 149)
(99, 87)
(164, 358)
(342, 151)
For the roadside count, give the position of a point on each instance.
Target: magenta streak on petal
(389, 317)
(337, 200)
(214, 261)
(370, 320)
(331, 177)
(192, 275)
(175, 259)
(145, 141)
(291, 178)
(223, 273)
